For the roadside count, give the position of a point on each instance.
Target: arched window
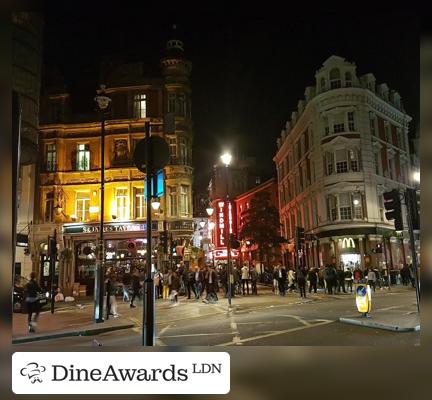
(348, 79)
(335, 82)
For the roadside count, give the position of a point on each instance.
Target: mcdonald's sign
(348, 243)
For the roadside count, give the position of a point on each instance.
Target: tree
(260, 223)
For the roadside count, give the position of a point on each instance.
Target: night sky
(248, 70)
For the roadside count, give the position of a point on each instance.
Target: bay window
(51, 157)
(172, 193)
(351, 126)
(341, 161)
(184, 200)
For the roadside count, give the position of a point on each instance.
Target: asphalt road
(260, 323)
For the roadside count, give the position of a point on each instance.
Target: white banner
(121, 373)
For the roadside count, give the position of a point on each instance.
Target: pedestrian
(330, 278)
(32, 290)
(340, 276)
(189, 282)
(165, 287)
(312, 278)
(291, 280)
(282, 279)
(126, 280)
(112, 302)
(175, 287)
(254, 279)
(245, 279)
(301, 281)
(157, 284)
(349, 279)
(136, 286)
(371, 278)
(358, 275)
(411, 275)
(211, 282)
(275, 279)
(198, 282)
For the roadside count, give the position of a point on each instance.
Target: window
(345, 206)
(173, 148)
(181, 105)
(358, 206)
(387, 131)
(184, 200)
(171, 102)
(372, 125)
(341, 161)
(339, 127)
(377, 163)
(381, 206)
(140, 109)
(49, 207)
(121, 203)
(51, 157)
(140, 205)
(354, 164)
(83, 157)
(323, 84)
(329, 160)
(351, 126)
(82, 206)
(335, 81)
(183, 150)
(348, 79)
(172, 193)
(332, 208)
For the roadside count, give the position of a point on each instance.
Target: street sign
(363, 298)
(159, 153)
(159, 185)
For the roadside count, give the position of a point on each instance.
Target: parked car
(19, 295)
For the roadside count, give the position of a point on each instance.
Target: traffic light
(392, 204)
(300, 235)
(163, 240)
(413, 197)
(234, 243)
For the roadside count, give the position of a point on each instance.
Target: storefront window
(85, 262)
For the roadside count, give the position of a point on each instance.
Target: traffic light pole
(409, 206)
(148, 333)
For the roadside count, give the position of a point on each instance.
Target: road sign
(363, 298)
(159, 153)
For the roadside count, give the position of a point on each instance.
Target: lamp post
(226, 159)
(103, 103)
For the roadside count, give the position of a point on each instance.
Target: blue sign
(159, 185)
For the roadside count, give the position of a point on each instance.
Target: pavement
(189, 316)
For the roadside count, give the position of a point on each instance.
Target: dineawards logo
(121, 373)
(33, 371)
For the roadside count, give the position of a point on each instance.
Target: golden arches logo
(348, 243)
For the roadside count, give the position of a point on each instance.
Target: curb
(378, 325)
(83, 332)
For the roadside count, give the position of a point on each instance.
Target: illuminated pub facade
(68, 190)
(344, 146)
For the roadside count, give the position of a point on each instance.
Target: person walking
(157, 278)
(282, 279)
(254, 280)
(175, 287)
(301, 281)
(112, 302)
(198, 282)
(126, 281)
(136, 286)
(329, 277)
(340, 276)
(275, 279)
(291, 280)
(312, 278)
(371, 278)
(349, 279)
(245, 279)
(211, 282)
(32, 290)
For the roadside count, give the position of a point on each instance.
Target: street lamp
(202, 224)
(416, 176)
(102, 103)
(226, 159)
(209, 210)
(155, 203)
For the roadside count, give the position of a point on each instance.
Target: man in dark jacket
(282, 279)
(254, 280)
(340, 275)
(198, 280)
(330, 278)
(32, 290)
(136, 286)
(211, 279)
(312, 278)
(301, 281)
